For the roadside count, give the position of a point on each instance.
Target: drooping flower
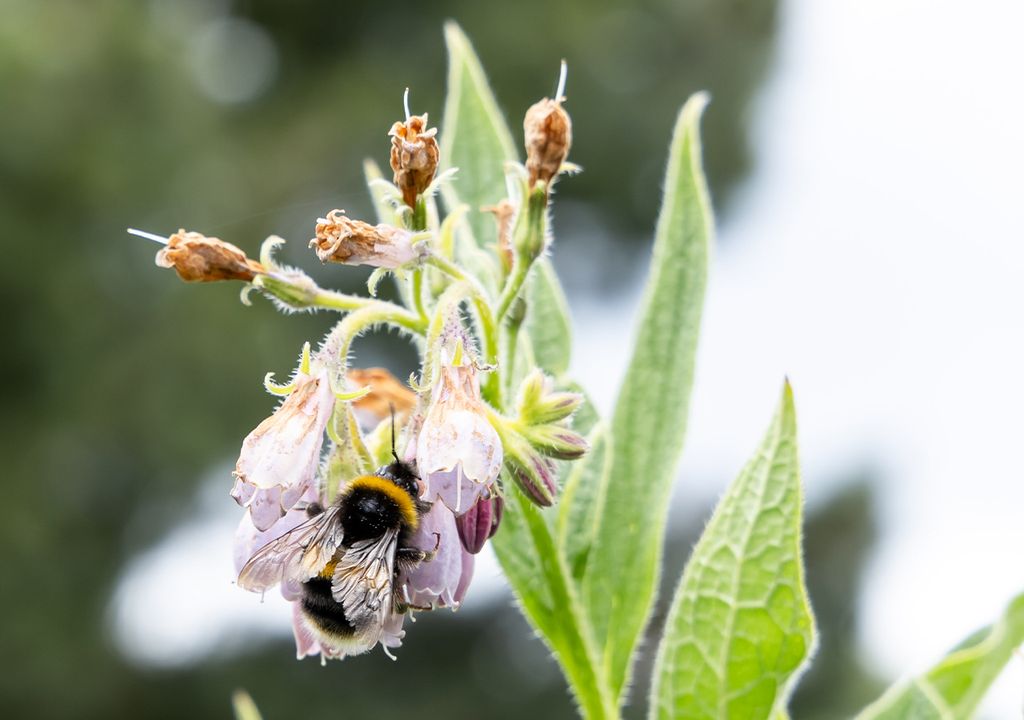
(249, 538)
(414, 156)
(341, 239)
(458, 452)
(443, 580)
(197, 258)
(279, 459)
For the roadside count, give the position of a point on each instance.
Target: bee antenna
(394, 454)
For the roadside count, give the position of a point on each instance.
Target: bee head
(403, 475)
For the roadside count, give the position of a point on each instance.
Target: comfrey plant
(366, 501)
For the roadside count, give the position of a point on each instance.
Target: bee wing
(362, 581)
(297, 555)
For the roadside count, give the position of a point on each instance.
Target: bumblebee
(347, 558)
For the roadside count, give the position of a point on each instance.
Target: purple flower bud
(498, 508)
(557, 442)
(536, 478)
(479, 523)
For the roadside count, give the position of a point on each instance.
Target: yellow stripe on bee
(398, 495)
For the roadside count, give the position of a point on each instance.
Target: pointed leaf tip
(741, 629)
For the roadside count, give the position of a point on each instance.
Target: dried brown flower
(548, 132)
(387, 392)
(414, 156)
(341, 239)
(198, 258)
(503, 213)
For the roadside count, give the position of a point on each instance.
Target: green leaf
(538, 575)
(578, 506)
(547, 319)
(740, 628)
(650, 417)
(474, 138)
(379, 194)
(954, 687)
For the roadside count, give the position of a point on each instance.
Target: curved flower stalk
(340, 430)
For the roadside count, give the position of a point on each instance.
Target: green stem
(488, 326)
(528, 241)
(514, 283)
(513, 322)
(418, 223)
(306, 295)
(563, 624)
(416, 291)
(380, 311)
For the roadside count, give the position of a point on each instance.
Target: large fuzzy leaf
(954, 687)
(649, 424)
(740, 628)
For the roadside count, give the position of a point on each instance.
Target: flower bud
(414, 156)
(537, 404)
(480, 523)
(536, 477)
(353, 242)
(548, 132)
(197, 258)
(556, 441)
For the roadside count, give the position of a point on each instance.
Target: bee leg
(408, 558)
(401, 607)
(312, 509)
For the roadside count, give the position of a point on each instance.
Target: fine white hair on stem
(148, 235)
(405, 102)
(563, 71)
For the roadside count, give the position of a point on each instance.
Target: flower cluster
(340, 430)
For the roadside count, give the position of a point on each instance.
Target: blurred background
(864, 158)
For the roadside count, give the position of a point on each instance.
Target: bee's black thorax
(368, 513)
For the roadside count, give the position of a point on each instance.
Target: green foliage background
(123, 387)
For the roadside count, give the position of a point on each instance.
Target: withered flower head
(341, 239)
(548, 132)
(387, 393)
(414, 156)
(198, 258)
(503, 213)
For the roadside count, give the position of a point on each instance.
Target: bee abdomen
(322, 611)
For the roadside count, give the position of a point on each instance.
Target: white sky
(876, 256)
